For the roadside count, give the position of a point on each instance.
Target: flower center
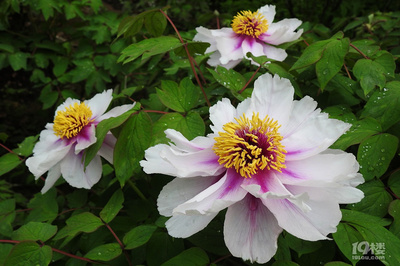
(70, 122)
(250, 145)
(249, 23)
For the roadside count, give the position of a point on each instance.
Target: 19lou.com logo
(368, 251)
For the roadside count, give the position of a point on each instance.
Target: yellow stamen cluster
(250, 145)
(70, 122)
(249, 23)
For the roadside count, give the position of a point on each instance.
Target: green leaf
(375, 155)
(84, 222)
(25, 147)
(344, 237)
(131, 25)
(228, 78)
(29, 253)
(386, 60)
(394, 182)
(370, 74)
(5, 249)
(44, 207)
(394, 211)
(336, 263)
(103, 128)
(138, 236)
(284, 263)
(46, 6)
(113, 206)
(332, 60)
(148, 48)
(18, 60)
(191, 125)
(311, 55)
(359, 131)
(384, 105)
(180, 98)
(7, 216)
(35, 231)
(356, 217)
(8, 162)
(7, 47)
(190, 257)
(133, 140)
(60, 65)
(194, 48)
(162, 247)
(48, 97)
(104, 252)
(102, 34)
(376, 199)
(84, 67)
(155, 23)
(301, 246)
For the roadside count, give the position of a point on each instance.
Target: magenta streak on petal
(239, 42)
(250, 41)
(291, 174)
(232, 182)
(85, 132)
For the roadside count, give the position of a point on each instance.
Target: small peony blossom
(61, 145)
(251, 32)
(268, 162)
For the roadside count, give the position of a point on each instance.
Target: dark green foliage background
(347, 60)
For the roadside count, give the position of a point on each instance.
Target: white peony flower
(268, 162)
(61, 145)
(251, 32)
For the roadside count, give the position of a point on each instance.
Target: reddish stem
(119, 242)
(189, 56)
(347, 71)
(155, 111)
(358, 50)
(55, 250)
(10, 151)
(252, 77)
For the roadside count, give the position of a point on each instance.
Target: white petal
(197, 144)
(154, 164)
(251, 45)
(47, 152)
(313, 136)
(99, 103)
(327, 167)
(183, 226)
(221, 113)
(85, 138)
(205, 35)
(272, 96)
(52, 176)
(230, 47)
(116, 111)
(312, 225)
(251, 230)
(180, 190)
(72, 169)
(282, 32)
(107, 148)
(272, 52)
(268, 11)
(217, 197)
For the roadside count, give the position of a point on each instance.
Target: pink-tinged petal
(180, 190)
(85, 138)
(197, 144)
(332, 166)
(205, 35)
(182, 226)
(272, 96)
(116, 111)
(313, 136)
(230, 48)
(251, 230)
(321, 219)
(265, 184)
(107, 148)
(52, 176)
(99, 103)
(251, 45)
(272, 52)
(72, 169)
(282, 32)
(221, 113)
(268, 11)
(215, 198)
(302, 110)
(47, 152)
